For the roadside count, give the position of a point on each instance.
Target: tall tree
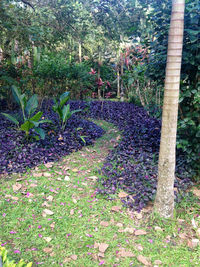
(164, 202)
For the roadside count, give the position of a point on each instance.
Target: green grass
(78, 213)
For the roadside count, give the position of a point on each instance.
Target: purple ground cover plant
(131, 166)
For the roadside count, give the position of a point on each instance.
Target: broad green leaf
(11, 118)
(37, 123)
(16, 93)
(66, 113)
(60, 113)
(64, 98)
(32, 105)
(37, 116)
(20, 99)
(27, 126)
(41, 132)
(75, 111)
(45, 121)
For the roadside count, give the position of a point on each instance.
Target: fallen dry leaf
(52, 225)
(45, 204)
(47, 174)
(96, 245)
(195, 242)
(33, 185)
(122, 195)
(129, 230)
(198, 232)
(75, 170)
(66, 168)
(140, 232)
(196, 192)
(103, 247)
(47, 239)
(118, 137)
(48, 165)
(15, 198)
(74, 257)
(105, 224)
(37, 174)
(138, 215)
(47, 250)
(72, 212)
(66, 260)
(116, 208)
(124, 253)
(119, 225)
(157, 262)
(67, 178)
(16, 187)
(143, 260)
(194, 224)
(48, 212)
(157, 228)
(139, 247)
(94, 178)
(49, 198)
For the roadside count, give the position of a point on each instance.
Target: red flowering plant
(99, 84)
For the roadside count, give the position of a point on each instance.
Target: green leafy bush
(80, 83)
(188, 138)
(8, 263)
(28, 108)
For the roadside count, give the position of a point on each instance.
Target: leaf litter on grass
(79, 222)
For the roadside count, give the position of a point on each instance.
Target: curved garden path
(52, 216)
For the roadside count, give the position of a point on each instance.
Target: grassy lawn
(52, 216)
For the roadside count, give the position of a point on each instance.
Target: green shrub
(8, 263)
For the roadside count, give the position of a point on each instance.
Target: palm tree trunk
(164, 202)
(80, 51)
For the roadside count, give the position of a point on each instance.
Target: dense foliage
(189, 113)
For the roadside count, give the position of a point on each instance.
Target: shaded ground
(53, 217)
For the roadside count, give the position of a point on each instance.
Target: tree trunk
(99, 73)
(98, 78)
(122, 72)
(80, 52)
(118, 83)
(164, 202)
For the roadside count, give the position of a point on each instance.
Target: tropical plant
(28, 108)
(63, 110)
(7, 263)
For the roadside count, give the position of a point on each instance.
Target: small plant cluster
(63, 110)
(66, 133)
(5, 262)
(32, 121)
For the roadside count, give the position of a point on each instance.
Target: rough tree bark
(164, 202)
